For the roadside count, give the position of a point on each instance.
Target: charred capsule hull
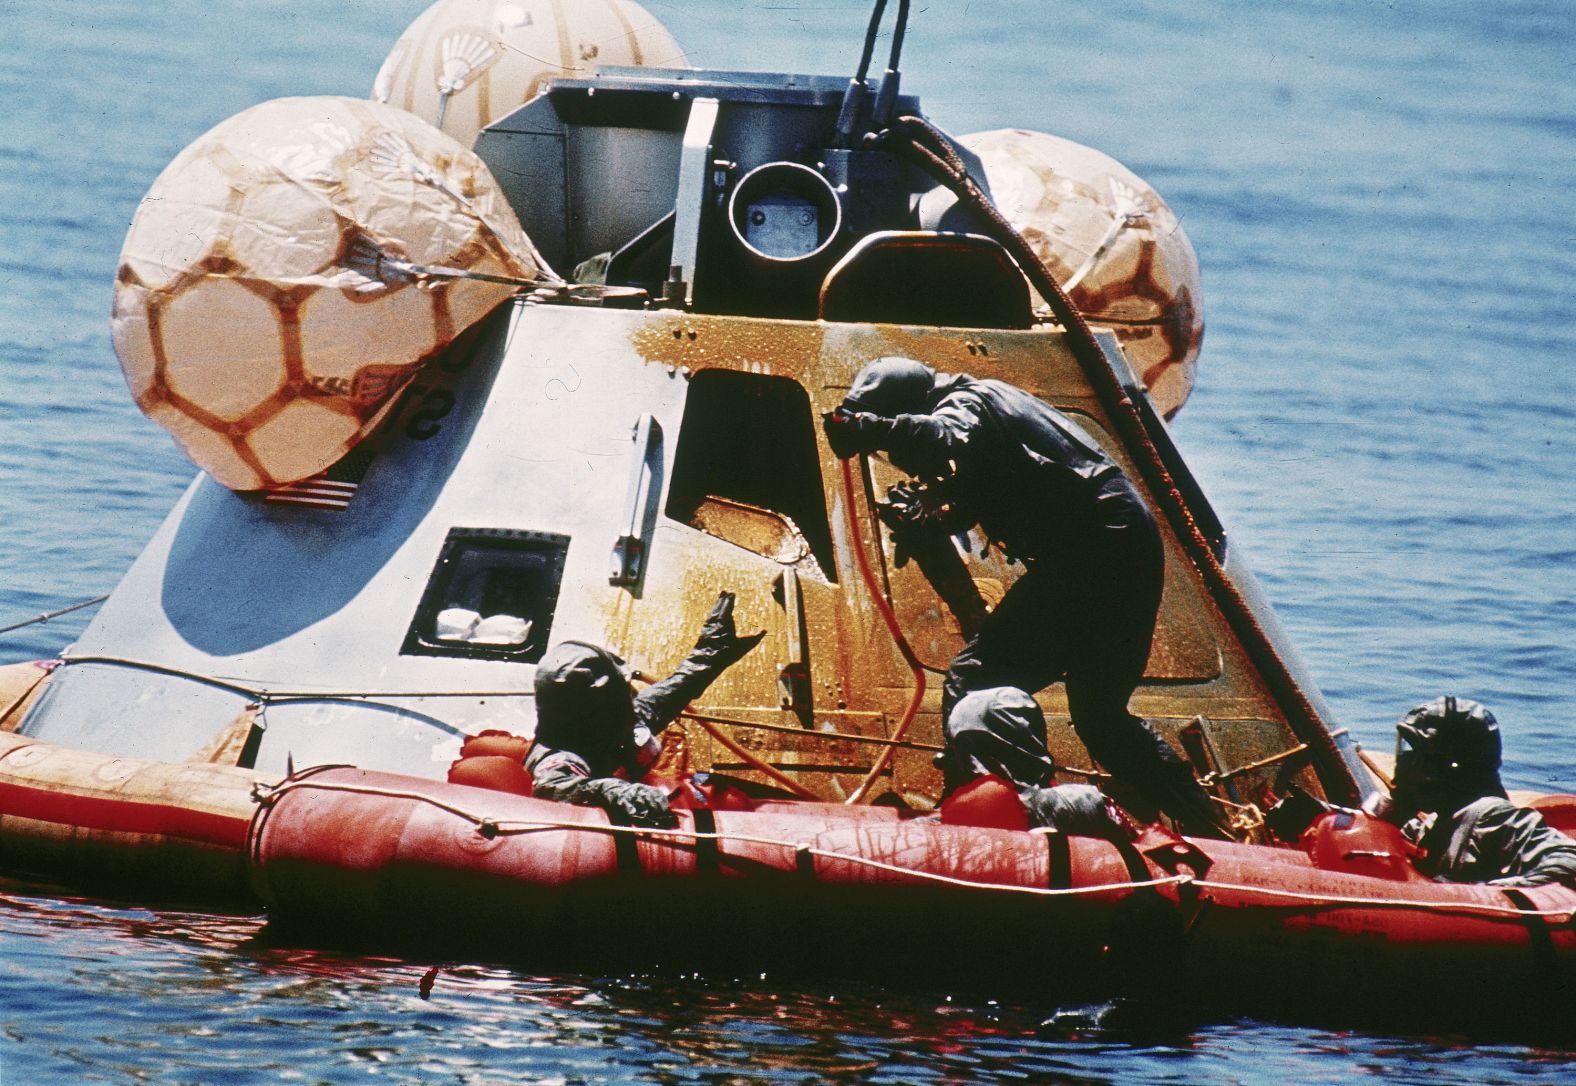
(573, 469)
(600, 475)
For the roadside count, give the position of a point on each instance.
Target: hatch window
(746, 469)
(491, 596)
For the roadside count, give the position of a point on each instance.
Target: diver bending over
(988, 453)
(591, 726)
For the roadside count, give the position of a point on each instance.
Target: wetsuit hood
(584, 702)
(892, 386)
(999, 731)
(1447, 755)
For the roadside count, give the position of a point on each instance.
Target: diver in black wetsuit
(595, 737)
(1001, 733)
(988, 453)
(1449, 801)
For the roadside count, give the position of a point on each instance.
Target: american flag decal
(332, 489)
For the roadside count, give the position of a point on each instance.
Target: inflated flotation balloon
(465, 63)
(1112, 243)
(266, 311)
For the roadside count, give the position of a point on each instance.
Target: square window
(491, 596)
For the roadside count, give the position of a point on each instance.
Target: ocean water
(1380, 196)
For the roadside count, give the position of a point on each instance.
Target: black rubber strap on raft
(1540, 939)
(625, 845)
(707, 854)
(1060, 850)
(1137, 869)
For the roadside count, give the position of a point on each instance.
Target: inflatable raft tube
(123, 826)
(790, 881)
(21, 685)
(817, 883)
(337, 850)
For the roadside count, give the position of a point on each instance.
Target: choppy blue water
(1380, 195)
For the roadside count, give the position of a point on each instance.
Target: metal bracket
(793, 677)
(695, 167)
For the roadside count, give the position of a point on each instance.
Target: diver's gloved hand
(908, 534)
(719, 644)
(917, 514)
(645, 805)
(850, 433)
(914, 504)
(717, 647)
(627, 802)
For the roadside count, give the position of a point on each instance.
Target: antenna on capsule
(859, 85)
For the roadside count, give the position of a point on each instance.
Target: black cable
(897, 35)
(870, 39)
(935, 151)
(854, 97)
(886, 101)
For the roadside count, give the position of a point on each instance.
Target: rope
(812, 733)
(23, 696)
(760, 764)
(936, 152)
(267, 797)
(490, 828)
(47, 615)
(277, 696)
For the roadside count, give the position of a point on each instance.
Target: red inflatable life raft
(370, 852)
(358, 848)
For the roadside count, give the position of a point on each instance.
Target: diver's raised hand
(719, 644)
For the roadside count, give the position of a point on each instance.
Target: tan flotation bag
(125, 824)
(465, 63)
(1113, 245)
(260, 314)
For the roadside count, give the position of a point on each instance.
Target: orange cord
(885, 608)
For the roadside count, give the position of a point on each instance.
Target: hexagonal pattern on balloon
(225, 458)
(342, 333)
(272, 343)
(198, 326)
(463, 64)
(133, 338)
(1111, 242)
(286, 445)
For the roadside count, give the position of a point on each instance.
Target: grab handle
(629, 549)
